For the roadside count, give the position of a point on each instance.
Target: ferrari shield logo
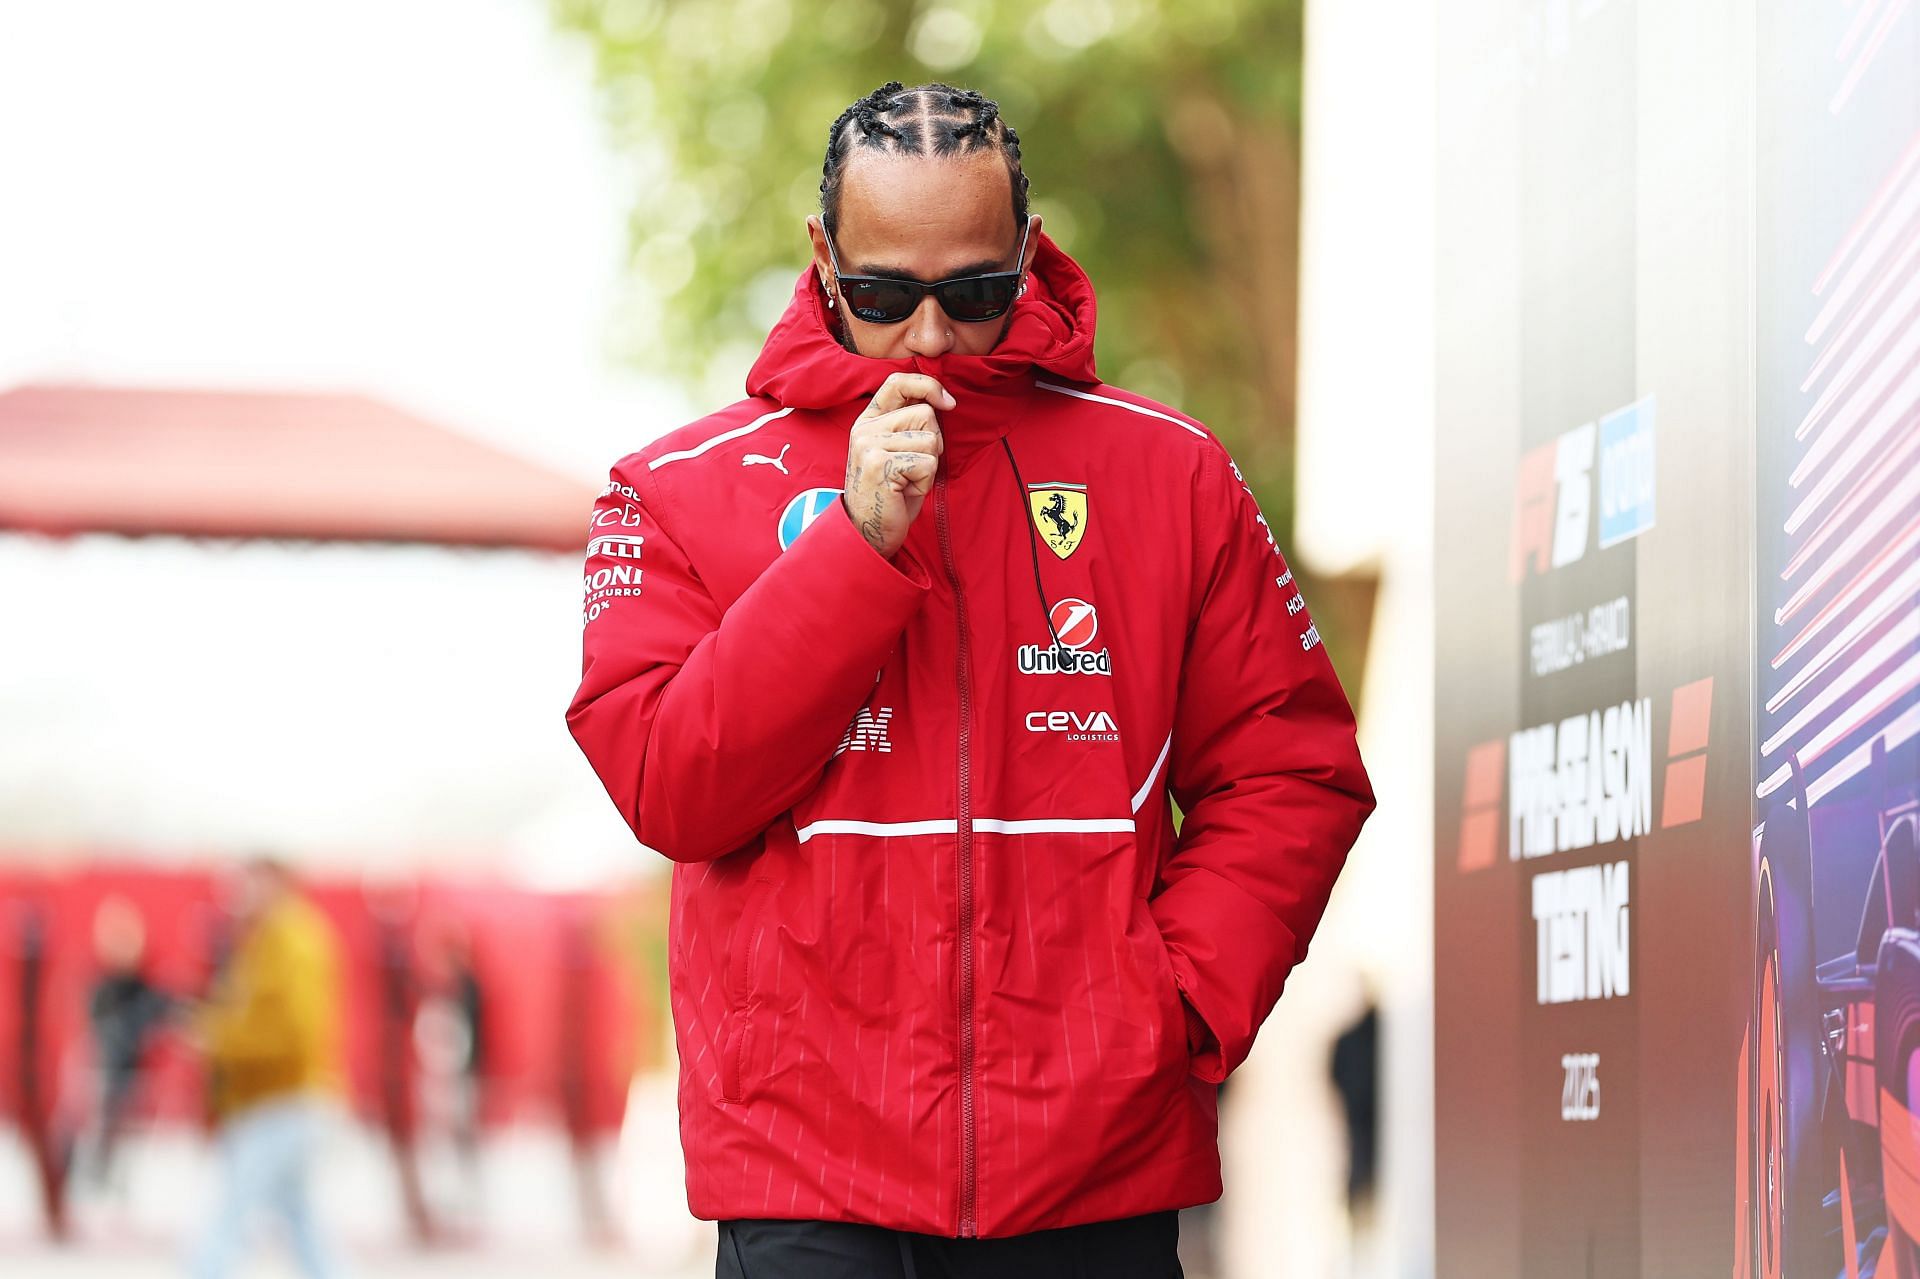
(1060, 513)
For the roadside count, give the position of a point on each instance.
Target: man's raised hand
(892, 454)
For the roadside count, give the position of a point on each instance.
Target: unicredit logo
(1035, 660)
(1076, 622)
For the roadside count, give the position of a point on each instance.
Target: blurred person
(34, 1094)
(271, 1029)
(447, 1041)
(124, 1011)
(577, 1079)
(467, 1002)
(902, 658)
(1354, 1068)
(399, 1064)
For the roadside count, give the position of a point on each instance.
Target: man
(901, 659)
(124, 1011)
(272, 1036)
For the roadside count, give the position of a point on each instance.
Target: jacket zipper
(964, 853)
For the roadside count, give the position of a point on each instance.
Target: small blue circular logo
(803, 510)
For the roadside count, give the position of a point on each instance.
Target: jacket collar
(802, 365)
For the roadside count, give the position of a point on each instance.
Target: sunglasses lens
(977, 299)
(880, 301)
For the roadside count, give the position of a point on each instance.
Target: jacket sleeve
(1267, 771)
(705, 724)
(256, 1017)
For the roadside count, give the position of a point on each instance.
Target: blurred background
(318, 331)
(319, 328)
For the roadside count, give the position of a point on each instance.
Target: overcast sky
(407, 198)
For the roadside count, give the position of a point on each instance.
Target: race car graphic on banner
(1827, 1169)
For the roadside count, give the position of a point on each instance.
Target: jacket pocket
(742, 987)
(1168, 1008)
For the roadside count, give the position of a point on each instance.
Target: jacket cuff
(835, 536)
(1200, 1040)
(1230, 959)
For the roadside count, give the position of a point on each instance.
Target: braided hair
(928, 119)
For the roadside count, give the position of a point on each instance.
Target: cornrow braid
(928, 119)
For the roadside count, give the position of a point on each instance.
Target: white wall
(1365, 502)
(347, 705)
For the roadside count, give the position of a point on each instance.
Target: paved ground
(135, 1263)
(98, 1264)
(520, 1208)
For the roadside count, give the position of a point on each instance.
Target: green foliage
(1138, 122)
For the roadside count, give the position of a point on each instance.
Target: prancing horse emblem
(1060, 514)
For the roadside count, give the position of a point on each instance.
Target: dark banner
(1677, 969)
(1599, 506)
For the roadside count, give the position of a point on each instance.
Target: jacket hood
(802, 365)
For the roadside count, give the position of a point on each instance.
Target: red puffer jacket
(931, 925)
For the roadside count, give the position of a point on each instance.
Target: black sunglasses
(969, 299)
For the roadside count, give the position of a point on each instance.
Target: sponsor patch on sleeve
(614, 546)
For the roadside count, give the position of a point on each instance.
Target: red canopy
(80, 459)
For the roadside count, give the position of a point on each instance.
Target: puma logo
(751, 458)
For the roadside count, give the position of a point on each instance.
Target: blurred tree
(1161, 140)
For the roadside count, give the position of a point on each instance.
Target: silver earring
(829, 301)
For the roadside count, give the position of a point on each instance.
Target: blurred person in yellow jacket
(271, 1031)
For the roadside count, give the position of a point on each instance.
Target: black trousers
(1145, 1247)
